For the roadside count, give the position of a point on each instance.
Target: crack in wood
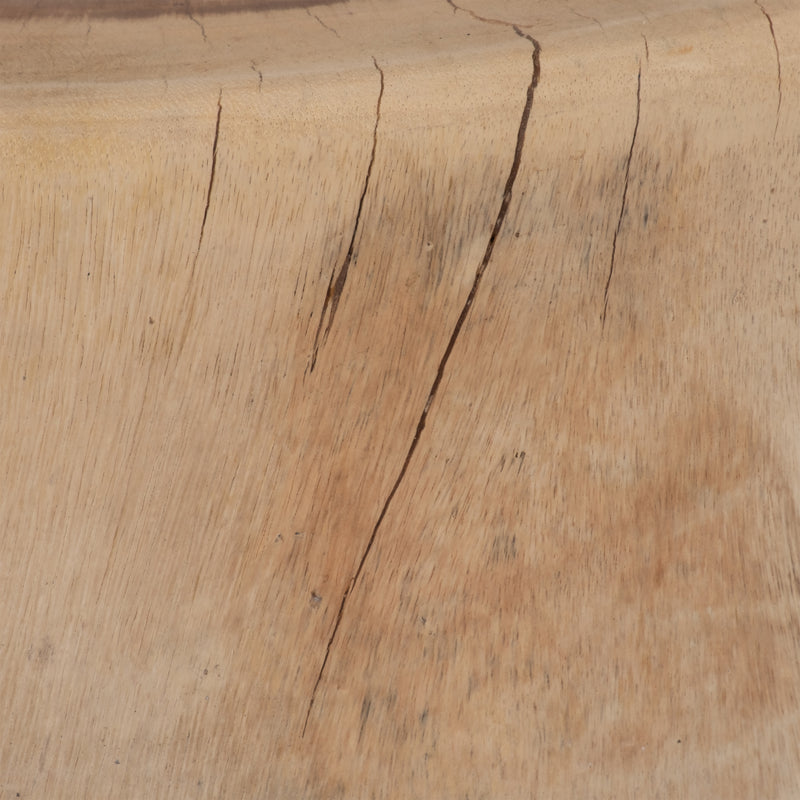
(587, 17)
(210, 181)
(496, 228)
(257, 72)
(488, 20)
(337, 281)
(624, 195)
(196, 22)
(778, 59)
(327, 27)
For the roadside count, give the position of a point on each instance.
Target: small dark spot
(88, 274)
(298, 533)
(516, 235)
(150, 320)
(679, 741)
(423, 620)
(279, 537)
(205, 672)
(116, 761)
(646, 215)
(423, 716)
(315, 599)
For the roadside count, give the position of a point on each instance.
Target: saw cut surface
(399, 400)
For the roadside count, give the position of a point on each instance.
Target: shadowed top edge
(131, 9)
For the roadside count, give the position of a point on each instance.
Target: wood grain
(400, 400)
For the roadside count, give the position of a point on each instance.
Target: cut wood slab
(400, 400)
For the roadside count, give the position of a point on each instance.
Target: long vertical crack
(210, 179)
(496, 228)
(338, 279)
(778, 59)
(624, 194)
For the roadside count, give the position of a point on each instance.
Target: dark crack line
(498, 224)
(327, 27)
(196, 22)
(257, 72)
(646, 49)
(490, 20)
(778, 59)
(624, 194)
(338, 280)
(210, 181)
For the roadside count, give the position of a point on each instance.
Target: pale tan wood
(584, 580)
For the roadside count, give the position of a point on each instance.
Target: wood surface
(400, 399)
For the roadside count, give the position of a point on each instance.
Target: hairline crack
(778, 59)
(327, 27)
(624, 195)
(496, 228)
(210, 180)
(339, 278)
(196, 21)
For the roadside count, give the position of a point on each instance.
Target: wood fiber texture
(400, 400)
